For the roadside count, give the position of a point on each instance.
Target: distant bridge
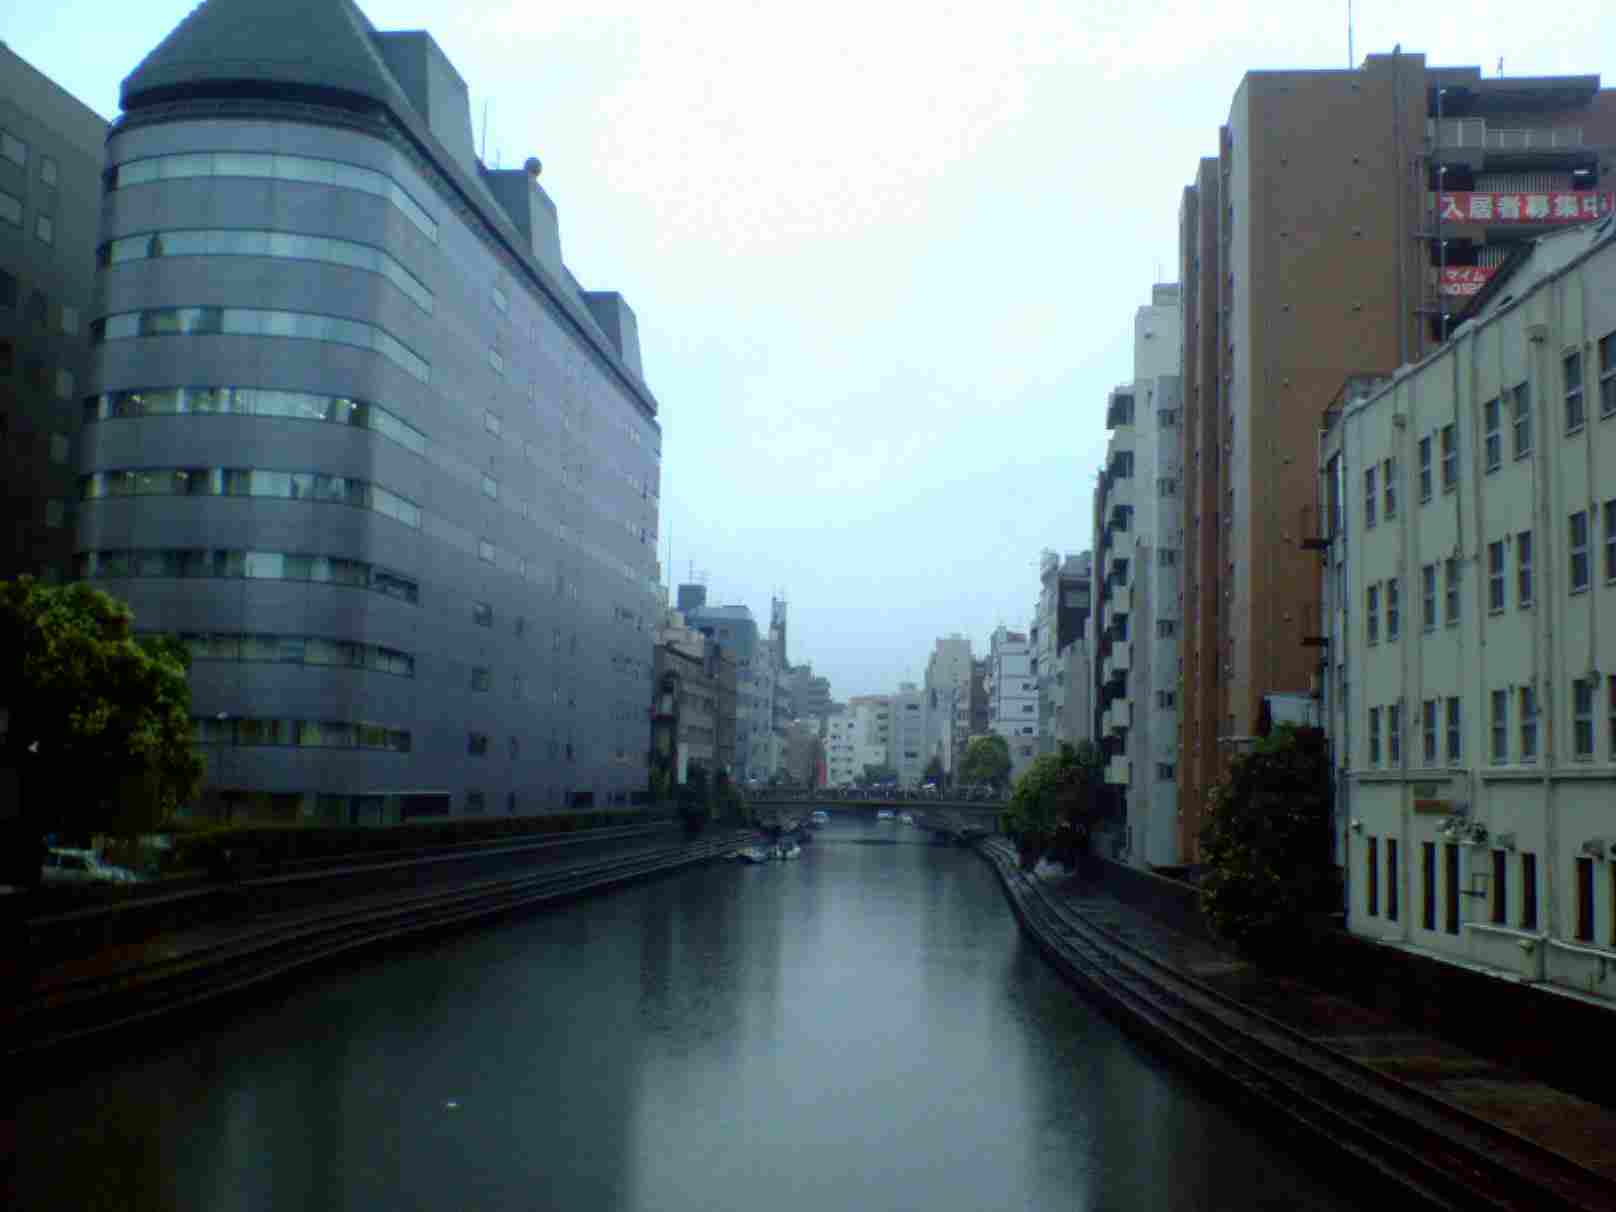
(958, 820)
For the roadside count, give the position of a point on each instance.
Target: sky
(885, 256)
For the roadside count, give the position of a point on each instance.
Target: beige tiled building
(1470, 606)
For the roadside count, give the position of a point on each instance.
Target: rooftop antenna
(482, 152)
(1351, 59)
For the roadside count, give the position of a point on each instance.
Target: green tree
(1266, 842)
(986, 761)
(99, 719)
(874, 774)
(1055, 804)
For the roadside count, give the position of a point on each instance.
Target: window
(13, 148)
(496, 361)
(1575, 411)
(1166, 771)
(1500, 888)
(1495, 576)
(1425, 468)
(250, 321)
(1450, 603)
(253, 402)
(1492, 432)
(1394, 734)
(1578, 543)
(1585, 900)
(1167, 487)
(481, 678)
(1369, 498)
(1166, 418)
(44, 229)
(1166, 557)
(1371, 876)
(1528, 724)
(1166, 698)
(47, 170)
(1374, 736)
(10, 209)
(1523, 569)
(1610, 714)
(477, 744)
(1582, 718)
(1607, 375)
(1428, 885)
(1455, 732)
(502, 302)
(1394, 876)
(255, 242)
(482, 614)
(1372, 613)
(276, 167)
(1500, 727)
(1610, 540)
(1394, 620)
(1520, 410)
(485, 551)
(492, 423)
(1428, 596)
(1450, 458)
(1166, 628)
(70, 320)
(490, 487)
(1428, 730)
(1389, 488)
(66, 384)
(1528, 892)
(1450, 890)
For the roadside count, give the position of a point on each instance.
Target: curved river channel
(863, 1028)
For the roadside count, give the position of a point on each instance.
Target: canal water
(862, 1028)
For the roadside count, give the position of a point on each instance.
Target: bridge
(948, 820)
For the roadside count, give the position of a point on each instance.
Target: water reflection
(861, 1028)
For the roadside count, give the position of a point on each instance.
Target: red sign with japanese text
(1465, 279)
(1559, 206)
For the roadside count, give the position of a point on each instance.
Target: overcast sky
(885, 256)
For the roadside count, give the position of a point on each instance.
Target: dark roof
(330, 45)
(313, 43)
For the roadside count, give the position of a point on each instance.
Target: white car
(63, 866)
(885, 814)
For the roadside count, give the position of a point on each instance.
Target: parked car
(884, 814)
(64, 866)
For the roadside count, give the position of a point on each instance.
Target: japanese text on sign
(1561, 206)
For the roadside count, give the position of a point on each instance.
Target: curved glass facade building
(356, 434)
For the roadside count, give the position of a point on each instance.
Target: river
(863, 1027)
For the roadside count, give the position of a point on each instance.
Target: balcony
(1119, 409)
(1120, 599)
(1116, 662)
(1473, 134)
(1119, 716)
(1117, 772)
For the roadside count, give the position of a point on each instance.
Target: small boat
(752, 854)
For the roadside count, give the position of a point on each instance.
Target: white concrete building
(948, 678)
(910, 724)
(1470, 612)
(1012, 688)
(872, 731)
(839, 748)
(1139, 535)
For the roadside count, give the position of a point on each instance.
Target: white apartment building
(948, 678)
(872, 731)
(839, 748)
(910, 725)
(1012, 688)
(1470, 611)
(1139, 535)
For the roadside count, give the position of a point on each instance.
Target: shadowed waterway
(861, 1028)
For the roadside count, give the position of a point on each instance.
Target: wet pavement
(1485, 1088)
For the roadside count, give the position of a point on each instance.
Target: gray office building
(356, 433)
(50, 194)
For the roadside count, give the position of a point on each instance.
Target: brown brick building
(1310, 249)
